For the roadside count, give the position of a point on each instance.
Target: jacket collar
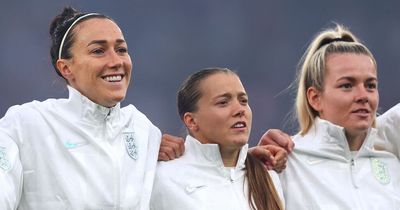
(90, 111)
(210, 154)
(326, 136)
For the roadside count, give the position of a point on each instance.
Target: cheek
(375, 100)
(128, 64)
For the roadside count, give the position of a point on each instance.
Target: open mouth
(239, 125)
(113, 78)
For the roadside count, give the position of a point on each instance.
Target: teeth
(362, 111)
(113, 78)
(238, 125)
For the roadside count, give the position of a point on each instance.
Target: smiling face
(100, 67)
(223, 115)
(350, 96)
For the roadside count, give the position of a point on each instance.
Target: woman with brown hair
(215, 172)
(85, 151)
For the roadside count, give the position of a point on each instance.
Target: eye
(222, 102)
(122, 50)
(345, 86)
(97, 51)
(244, 101)
(371, 85)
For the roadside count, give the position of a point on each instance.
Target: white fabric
(73, 154)
(388, 126)
(198, 180)
(321, 173)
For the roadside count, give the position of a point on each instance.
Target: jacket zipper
(352, 165)
(115, 164)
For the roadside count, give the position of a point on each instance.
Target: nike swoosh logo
(313, 162)
(190, 189)
(72, 145)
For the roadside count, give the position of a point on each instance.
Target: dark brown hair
(58, 28)
(262, 193)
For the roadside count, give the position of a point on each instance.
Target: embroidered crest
(4, 162)
(380, 170)
(130, 144)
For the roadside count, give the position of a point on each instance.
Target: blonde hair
(312, 68)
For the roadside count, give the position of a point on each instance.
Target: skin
(223, 116)
(100, 51)
(350, 95)
(99, 54)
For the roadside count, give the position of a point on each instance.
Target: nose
(240, 110)
(361, 95)
(114, 60)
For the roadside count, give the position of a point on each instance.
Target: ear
(190, 121)
(314, 98)
(63, 67)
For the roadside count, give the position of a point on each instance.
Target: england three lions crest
(131, 145)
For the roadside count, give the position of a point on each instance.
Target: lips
(240, 124)
(361, 111)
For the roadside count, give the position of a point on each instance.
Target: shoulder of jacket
(131, 111)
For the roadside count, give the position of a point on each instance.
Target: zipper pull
(352, 164)
(232, 175)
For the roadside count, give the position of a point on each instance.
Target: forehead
(350, 64)
(97, 29)
(221, 83)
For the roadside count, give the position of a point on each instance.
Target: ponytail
(262, 192)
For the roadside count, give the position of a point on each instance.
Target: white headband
(66, 33)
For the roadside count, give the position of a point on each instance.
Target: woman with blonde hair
(334, 164)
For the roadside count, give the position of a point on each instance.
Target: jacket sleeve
(388, 126)
(10, 165)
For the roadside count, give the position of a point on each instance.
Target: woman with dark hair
(216, 172)
(83, 152)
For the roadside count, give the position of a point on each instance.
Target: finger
(271, 137)
(279, 153)
(280, 156)
(171, 138)
(162, 156)
(263, 154)
(174, 144)
(274, 137)
(269, 166)
(170, 148)
(169, 151)
(280, 169)
(290, 142)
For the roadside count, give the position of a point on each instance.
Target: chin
(361, 128)
(118, 97)
(242, 141)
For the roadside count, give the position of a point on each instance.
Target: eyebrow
(102, 42)
(228, 95)
(352, 79)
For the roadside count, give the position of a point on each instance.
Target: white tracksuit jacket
(389, 130)
(323, 174)
(199, 181)
(74, 154)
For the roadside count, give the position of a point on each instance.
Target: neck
(355, 139)
(229, 156)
